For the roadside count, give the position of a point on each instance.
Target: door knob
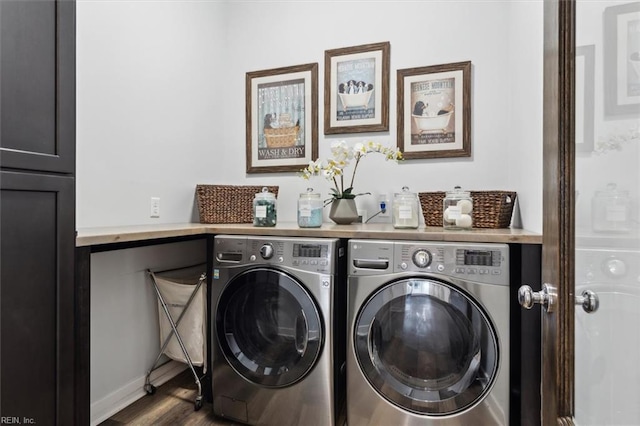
(545, 297)
(589, 301)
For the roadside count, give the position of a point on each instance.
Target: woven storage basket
(227, 203)
(491, 209)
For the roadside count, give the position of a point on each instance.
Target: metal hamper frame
(148, 387)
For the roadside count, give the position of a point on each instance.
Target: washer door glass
(268, 327)
(426, 346)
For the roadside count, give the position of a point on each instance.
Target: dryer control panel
(482, 262)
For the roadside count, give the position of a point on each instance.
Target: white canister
(611, 210)
(457, 210)
(405, 209)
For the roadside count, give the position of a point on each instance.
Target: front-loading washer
(278, 335)
(428, 333)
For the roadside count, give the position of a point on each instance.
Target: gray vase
(343, 211)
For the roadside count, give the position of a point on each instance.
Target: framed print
(585, 60)
(434, 111)
(622, 59)
(356, 89)
(282, 118)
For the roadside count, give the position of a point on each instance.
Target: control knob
(421, 258)
(266, 251)
(615, 267)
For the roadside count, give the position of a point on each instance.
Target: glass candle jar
(264, 208)
(405, 209)
(457, 209)
(611, 210)
(309, 209)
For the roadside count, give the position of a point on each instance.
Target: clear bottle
(457, 209)
(611, 210)
(264, 208)
(405, 209)
(309, 209)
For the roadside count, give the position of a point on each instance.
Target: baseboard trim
(121, 398)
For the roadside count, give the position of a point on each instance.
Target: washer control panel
(310, 254)
(481, 262)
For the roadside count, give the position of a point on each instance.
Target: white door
(607, 181)
(590, 373)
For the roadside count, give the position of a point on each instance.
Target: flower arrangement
(341, 157)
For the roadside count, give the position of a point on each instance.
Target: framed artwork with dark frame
(356, 89)
(434, 111)
(622, 59)
(585, 87)
(282, 118)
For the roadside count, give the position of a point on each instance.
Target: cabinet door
(37, 85)
(37, 304)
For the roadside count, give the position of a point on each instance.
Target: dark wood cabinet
(37, 303)
(37, 78)
(40, 341)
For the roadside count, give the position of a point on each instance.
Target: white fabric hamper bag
(176, 292)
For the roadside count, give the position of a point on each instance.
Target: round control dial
(615, 267)
(266, 251)
(421, 258)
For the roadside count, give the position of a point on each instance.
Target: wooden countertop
(122, 234)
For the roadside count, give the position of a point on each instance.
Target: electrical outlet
(382, 201)
(155, 207)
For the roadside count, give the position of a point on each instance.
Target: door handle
(545, 297)
(589, 301)
(301, 346)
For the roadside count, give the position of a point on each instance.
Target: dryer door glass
(426, 346)
(269, 327)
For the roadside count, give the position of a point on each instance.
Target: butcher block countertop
(384, 231)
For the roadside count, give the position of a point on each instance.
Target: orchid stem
(335, 183)
(355, 167)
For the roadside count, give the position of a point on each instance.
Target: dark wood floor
(173, 404)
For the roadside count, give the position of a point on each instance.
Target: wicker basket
(227, 203)
(491, 209)
(281, 137)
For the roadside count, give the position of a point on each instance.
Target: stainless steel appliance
(278, 333)
(428, 333)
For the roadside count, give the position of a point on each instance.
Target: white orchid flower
(341, 157)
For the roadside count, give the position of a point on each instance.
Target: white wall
(149, 81)
(161, 100)
(524, 128)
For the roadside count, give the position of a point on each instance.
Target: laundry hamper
(182, 311)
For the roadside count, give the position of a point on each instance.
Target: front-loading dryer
(428, 333)
(278, 335)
